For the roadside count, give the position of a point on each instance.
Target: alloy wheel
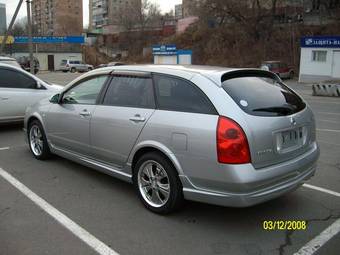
(153, 183)
(36, 140)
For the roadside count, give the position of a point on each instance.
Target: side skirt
(99, 166)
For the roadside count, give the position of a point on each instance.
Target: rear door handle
(4, 98)
(137, 118)
(85, 113)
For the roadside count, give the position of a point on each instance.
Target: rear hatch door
(279, 123)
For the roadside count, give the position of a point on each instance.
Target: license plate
(291, 139)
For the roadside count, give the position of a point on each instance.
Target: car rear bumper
(264, 187)
(64, 68)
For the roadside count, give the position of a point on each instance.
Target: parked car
(24, 62)
(280, 68)
(9, 61)
(18, 90)
(199, 133)
(73, 66)
(110, 64)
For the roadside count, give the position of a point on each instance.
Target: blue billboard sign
(51, 39)
(320, 42)
(164, 50)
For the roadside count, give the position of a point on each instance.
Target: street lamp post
(30, 41)
(10, 27)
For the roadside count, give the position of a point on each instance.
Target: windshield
(262, 96)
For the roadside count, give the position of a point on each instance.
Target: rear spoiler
(249, 73)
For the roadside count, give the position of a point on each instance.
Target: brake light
(67, 65)
(232, 143)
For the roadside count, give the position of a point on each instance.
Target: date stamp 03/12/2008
(272, 225)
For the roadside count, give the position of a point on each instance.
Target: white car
(18, 90)
(9, 61)
(68, 65)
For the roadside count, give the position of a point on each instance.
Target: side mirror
(55, 99)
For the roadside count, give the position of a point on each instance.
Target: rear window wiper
(282, 110)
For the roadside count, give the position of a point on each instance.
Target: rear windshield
(263, 96)
(63, 62)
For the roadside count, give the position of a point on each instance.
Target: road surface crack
(289, 233)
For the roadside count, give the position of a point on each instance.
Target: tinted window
(15, 79)
(130, 92)
(85, 92)
(262, 96)
(178, 95)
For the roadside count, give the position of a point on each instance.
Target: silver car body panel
(111, 142)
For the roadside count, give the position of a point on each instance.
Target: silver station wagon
(231, 137)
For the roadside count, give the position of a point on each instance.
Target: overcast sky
(12, 4)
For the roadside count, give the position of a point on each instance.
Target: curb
(331, 90)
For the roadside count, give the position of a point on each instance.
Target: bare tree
(137, 18)
(256, 17)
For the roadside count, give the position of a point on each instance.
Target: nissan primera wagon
(231, 137)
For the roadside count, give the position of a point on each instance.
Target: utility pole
(30, 41)
(10, 26)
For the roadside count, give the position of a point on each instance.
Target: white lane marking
(315, 244)
(322, 190)
(4, 148)
(335, 144)
(330, 121)
(329, 113)
(77, 230)
(329, 130)
(322, 102)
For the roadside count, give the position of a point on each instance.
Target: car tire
(73, 70)
(157, 184)
(37, 141)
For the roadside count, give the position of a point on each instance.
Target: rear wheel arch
(149, 149)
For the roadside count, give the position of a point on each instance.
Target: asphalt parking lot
(110, 211)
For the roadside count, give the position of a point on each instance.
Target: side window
(85, 92)
(14, 79)
(179, 95)
(127, 91)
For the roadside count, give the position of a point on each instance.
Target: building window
(319, 55)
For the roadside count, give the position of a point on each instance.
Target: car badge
(292, 121)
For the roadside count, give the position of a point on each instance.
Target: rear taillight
(67, 65)
(232, 143)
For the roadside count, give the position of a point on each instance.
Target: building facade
(3, 22)
(98, 14)
(320, 58)
(108, 16)
(57, 17)
(178, 11)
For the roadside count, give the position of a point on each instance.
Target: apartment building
(3, 22)
(98, 14)
(107, 14)
(57, 17)
(178, 11)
